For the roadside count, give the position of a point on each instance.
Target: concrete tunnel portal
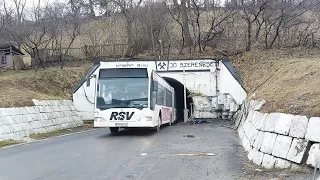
(179, 91)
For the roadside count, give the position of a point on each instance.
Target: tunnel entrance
(178, 86)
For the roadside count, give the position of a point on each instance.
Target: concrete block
(299, 126)
(50, 115)
(261, 121)
(36, 109)
(253, 135)
(55, 108)
(270, 122)
(28, 118)
(19, 127)
(5, 129)
(37, 117)
(246, 144)
(313, 130)
(47, 102)
(5, 112)
(48, 109)
(259, 140)
(284, 123)
(2, 120)
(8, 120)
(21, 118)
(14, 111)
(257, 158)
(268, 161)
(251, 153)
(247, 128)
(268, 142)
(41, 109)
(282, 146)
(36, 102)
(311, 161)
(252, 116)
(50, 123)
(30, 110)
(36, 124)
(282, 164)
(33, 116)
(298, 150)
(56, 102)
(60, 114)
(1, 112)
(23, 111)
(44, 116)
(240, 132)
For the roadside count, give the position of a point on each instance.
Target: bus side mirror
(88, 82)
(155, 86)
(89, 78)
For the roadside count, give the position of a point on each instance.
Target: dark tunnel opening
(179, 90)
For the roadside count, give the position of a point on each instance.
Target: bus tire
(114, 129)
(159, 123)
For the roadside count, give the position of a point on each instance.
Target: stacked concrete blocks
(45, 116)
(278, 140)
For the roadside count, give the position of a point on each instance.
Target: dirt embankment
(288, 80)
(18, 88)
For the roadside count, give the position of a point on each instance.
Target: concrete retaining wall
(278, 140)
(45, 116)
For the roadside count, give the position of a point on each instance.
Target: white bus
(133, 97)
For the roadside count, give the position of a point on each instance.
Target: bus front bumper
(123, 124)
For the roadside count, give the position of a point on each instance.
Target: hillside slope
(18, 88)
(287, 80)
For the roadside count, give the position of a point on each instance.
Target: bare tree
(127, 9)
(33, 34)
(179, 12)
(20, 7)
(251, 10)
(280, 16)
(66, 29)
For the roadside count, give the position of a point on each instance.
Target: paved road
(129, 155)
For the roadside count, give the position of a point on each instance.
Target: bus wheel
(114, 129)
(159, 124)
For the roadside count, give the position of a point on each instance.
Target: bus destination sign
(187, 65)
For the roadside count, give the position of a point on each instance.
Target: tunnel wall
(202, 86)
(228, 84)
(196, 82)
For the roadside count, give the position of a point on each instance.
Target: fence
(84, 53)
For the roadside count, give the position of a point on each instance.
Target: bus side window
(153, 95)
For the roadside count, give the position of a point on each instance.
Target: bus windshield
(122, 92)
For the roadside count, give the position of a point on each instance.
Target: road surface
(146, 155)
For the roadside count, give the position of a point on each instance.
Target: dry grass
(49, 134)
(288, 84)
(18, 88)
(8, 143)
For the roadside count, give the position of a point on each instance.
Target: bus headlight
(146, 118)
